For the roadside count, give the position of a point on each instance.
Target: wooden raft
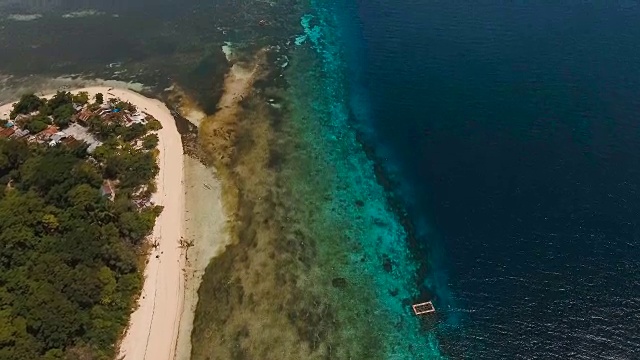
(424, 308)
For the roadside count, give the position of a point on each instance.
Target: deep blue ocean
(511, 130)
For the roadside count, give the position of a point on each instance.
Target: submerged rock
(339, 282)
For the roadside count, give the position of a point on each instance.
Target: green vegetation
(59, 108)
(114, 127)
(150, 141)
(28, 103)
(153, 124)
(59, 100)
(81, 98)
(124, 105)
(69, 269)
(62, 115)
(131, 167)
(36, 124)
(99, 99)
(133, 132)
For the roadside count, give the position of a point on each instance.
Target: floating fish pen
(424, 308)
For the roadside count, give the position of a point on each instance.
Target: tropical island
(82, 186)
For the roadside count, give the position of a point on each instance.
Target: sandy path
(153, 327)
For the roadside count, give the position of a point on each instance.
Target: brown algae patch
(249, 299)
(252, 303)
(296, 283)
(245, 290)
(186, 105)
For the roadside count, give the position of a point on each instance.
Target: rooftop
(7, 132)
(50, 130)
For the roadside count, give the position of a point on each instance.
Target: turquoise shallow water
(359, 207)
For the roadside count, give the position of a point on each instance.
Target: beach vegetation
(133, 132)
(69, 268)
(59, 100)
(93, 107)
(125, 105)
(153, 124)
(115, 128)
(27, 104)
(150, 141)
(81, 98)
(62, 115)
(103, 130)
(99, 99)
(36, 124)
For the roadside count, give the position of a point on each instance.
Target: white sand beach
(153, 327)
(205, 223)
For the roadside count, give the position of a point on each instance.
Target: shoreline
(204, 194)
(206, 227)
(149, 336)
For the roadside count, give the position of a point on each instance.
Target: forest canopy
(69, 255)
